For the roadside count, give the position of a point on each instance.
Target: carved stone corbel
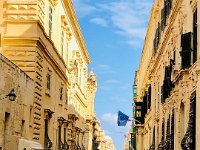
(48, 113)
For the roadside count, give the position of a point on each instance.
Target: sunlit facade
(167, 80)
(43, 38)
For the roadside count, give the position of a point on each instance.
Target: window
(144, 105)
(62, 43)
(22, 128)
(138, 114)
(174, 57)
(194, 36)
(165, 12)
(162, 19)
(31, 116)
(7, 124)
(67, 98)
(186, 50)
(61, 92)
(157, 37)
(149, 97)
(167, 83)
(50, 21)
(48, 81)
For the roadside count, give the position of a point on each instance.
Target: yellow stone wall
(15, 121)
(152, 69)
(26, 41)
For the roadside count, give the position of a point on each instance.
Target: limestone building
(43, 38)
(167, 80)
(14, 120)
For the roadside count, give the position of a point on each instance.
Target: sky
(114, 32)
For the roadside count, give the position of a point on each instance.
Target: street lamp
(11, 95)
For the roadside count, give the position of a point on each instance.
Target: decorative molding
(66, 28)
(48, 113)
(77, 31)
(53, 2)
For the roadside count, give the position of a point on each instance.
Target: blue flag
(122, 119)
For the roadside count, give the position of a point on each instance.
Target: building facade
(167, 80)
(43, 38)
(14, 120)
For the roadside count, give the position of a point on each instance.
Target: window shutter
(165, 13)
(144, 107)
(149, 97)
(167, 7)
(186, 50)
(195, 36)
(159, 32)
(154, 45)
(170, 4)
(156, 38)
(162, 19)
(162, 94)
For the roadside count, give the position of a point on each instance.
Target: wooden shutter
(156, 36)
(195, 36)
(162, 95)
(186, 50)
(144, 106)
(170, 4)
(149, 97)
(162, 19)
(159, 32)
(165, 12)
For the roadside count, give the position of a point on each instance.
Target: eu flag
(122, 119)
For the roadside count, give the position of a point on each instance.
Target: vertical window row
(164, 14)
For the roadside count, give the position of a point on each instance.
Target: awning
(29, 145)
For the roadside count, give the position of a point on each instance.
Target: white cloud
(99, 21)
(108, 117)
(104, 69)
(83, 8)
(112, 81)
(105, 88)
(103, 66)
(129, 17)
(126, 86)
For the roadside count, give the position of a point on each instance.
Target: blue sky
(114, 31)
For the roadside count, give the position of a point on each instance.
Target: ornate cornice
(74, 22)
